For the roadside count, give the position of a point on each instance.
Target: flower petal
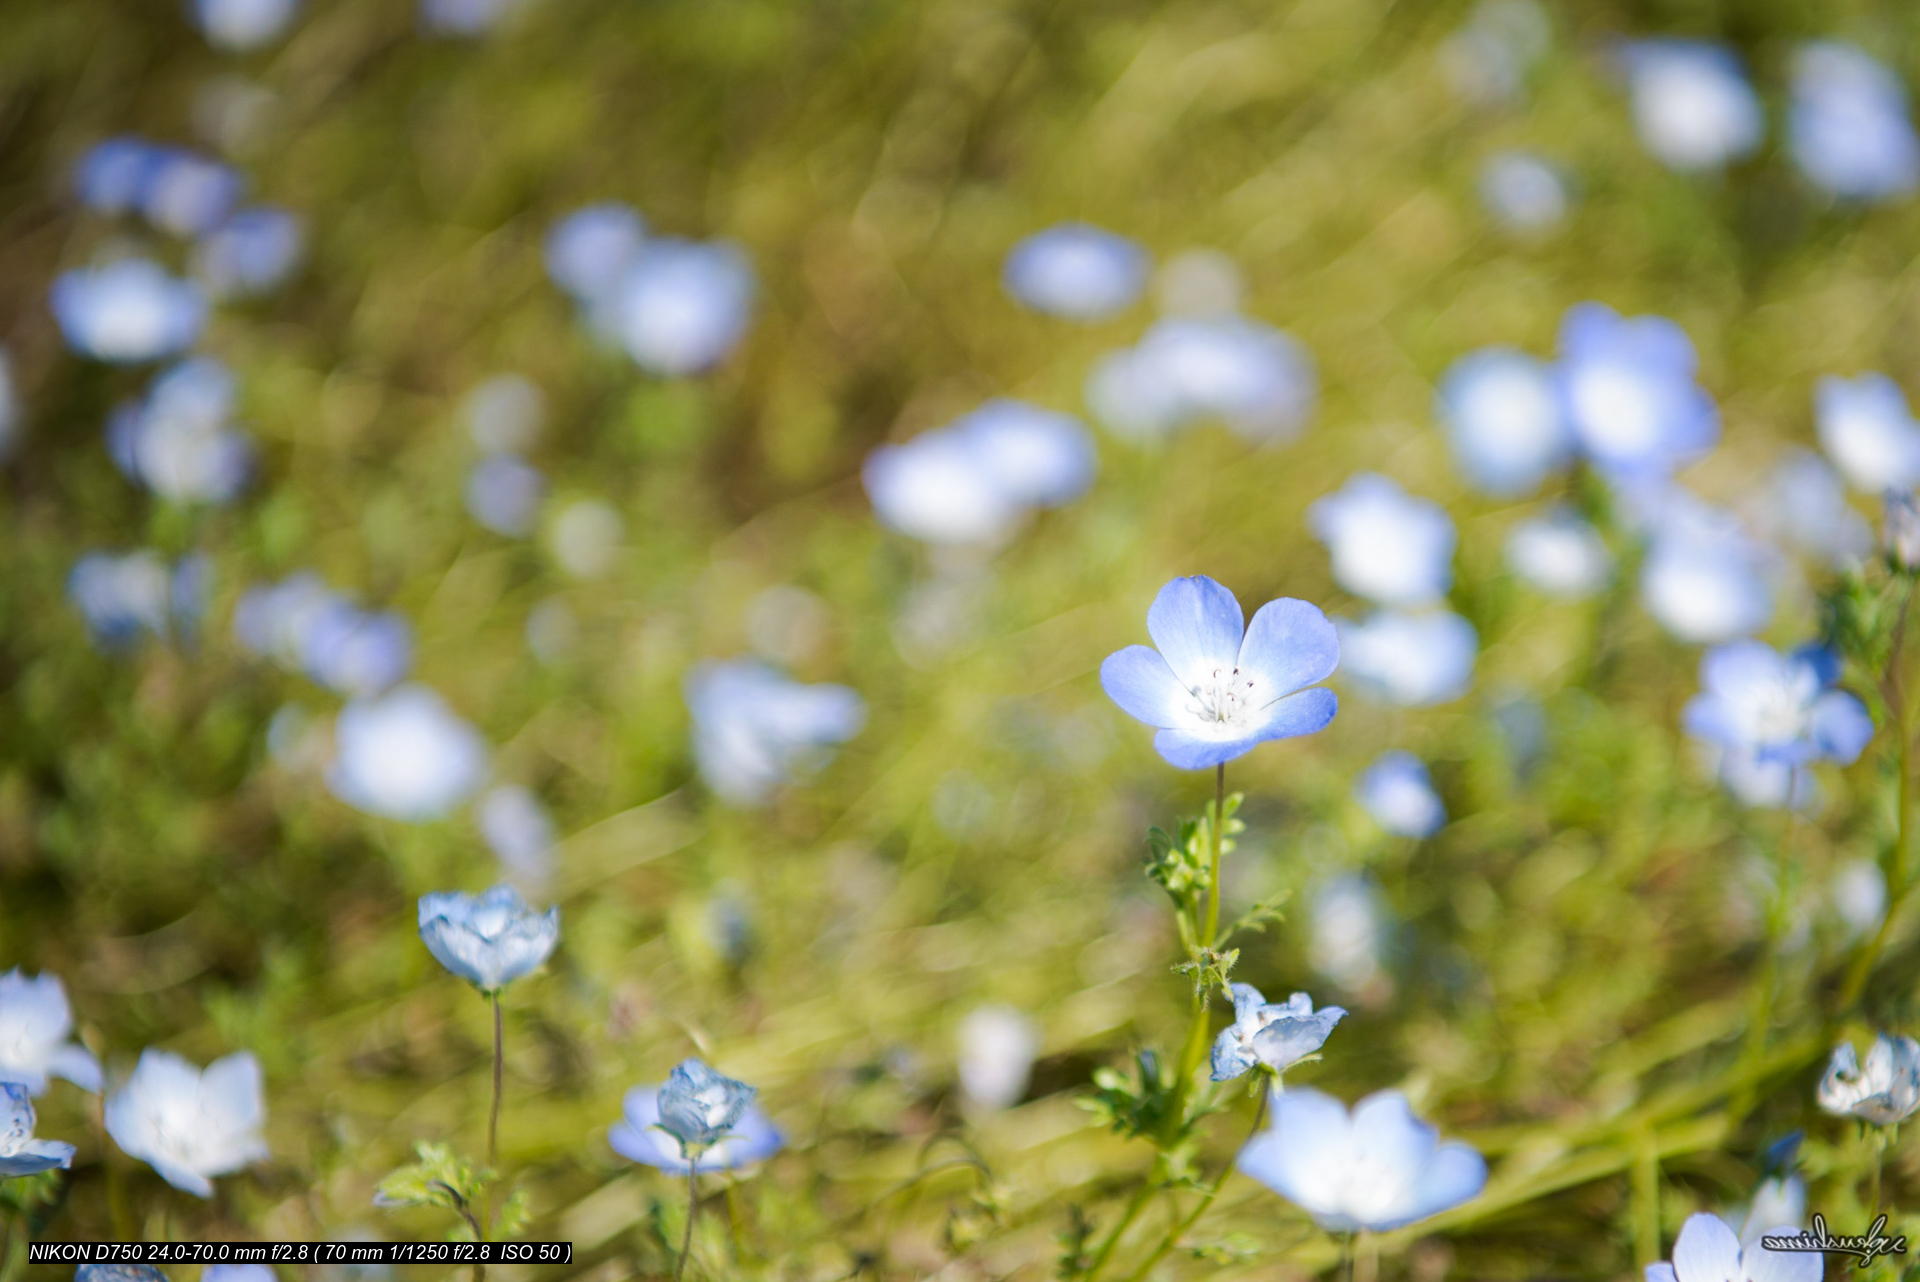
(1291, 644)
(1197, 624)
(1707, 1251)
(1841, 726)
(1762, 1265)
(1455, 1174)
(1304, 713)
(1189, 752)
(1140, 681)
(1304, 1156)
(1230, 1056)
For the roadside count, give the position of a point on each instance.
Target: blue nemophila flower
(1217, 687)
(1559, 553)
(1705, 579)
(1413, 660)
(1273, 1035)
(1504, 421)
(1849, 127)
(20, 1153)
(464, 17)
(111, 176)
(1397, 792)
(682, 305)
(1777, 709)
(1805, 504)
(589, 251)
(1692, 103)
(180, 441)
(1386, 545)
(123, 596)
(998, 1044)
(1257, 380)
(504, 493)
(754, 728)
(699, 1104)
(503, 414)
(405, 755)
(128, 311)
(1525, 193)
(35, 1022)
(974, 480)
(308, 627)
(1868, 431)
(641, 1136)
(1708, 1251)
(1629, 390)
(1376, 1169)
(519, 832)
(1885, 1091)
(251, 253)
(489, 940)
(1900, 528)
(1347, 933)
(188, 194)
(1077, 271)
(240, 25)
(1779, 1201)
(190, 1125)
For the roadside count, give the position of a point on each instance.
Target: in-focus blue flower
(405, 755)
(20, 1153)
(1386, 546)
(1413, 660)
(1257, 380)
(588, 252)
(1885, 1092)
(1805, 504)
(699, 1105)
(755, 728)
(1503, 418)
(188, 194)
(1629, 390)
(683, 305)
(489, 940)
(1560, 553)
(1274, 1036)
(190, 1125)
(503, 414)
(1347, 932)
(251, 253)
(519, 832)
(1704, 578)
(240, 25)
(180, 442)
(1869, 432)
(1376, 1169)
(1708, 1251)
(639, 1136)
(1849, 127)
(504, 493)
(35, 1022)
(1773, 713)
(1397, 792)
(112, 177)
(998, 1044)
(1217, 687)
(1525, 193)
(128, 311)
(1077, 271)
(1692, 103)
(122, 596)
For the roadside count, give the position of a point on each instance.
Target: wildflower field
(976, 639)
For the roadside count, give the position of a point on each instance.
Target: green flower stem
(1893, 691)
(17, 1231)
(1138, 1204)
(693, 1209)
(1196, 1047)
(493, 1117)
(1178, 1231)
(1211, 935)
(1646, 1203)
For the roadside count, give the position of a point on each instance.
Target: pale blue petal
(1762, 1265)
(1454, 1174)
(1290, 644)
(1305, 713)
(1187, 752)
(1290, 1039)
(1661, 1272)
(1140, 681)
(1296, 1155)
(1230, 1057)
(1707, 1251)
(1246, 1000)
(1841, 726)
(1197, 624)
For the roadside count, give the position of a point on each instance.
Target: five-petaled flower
(1884, 1091)
(187, 1124)
(1708, 1251)
(1274, 1035)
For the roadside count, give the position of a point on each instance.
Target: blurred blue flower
(1397, 792)
(1077, 271)
(1275, 1036)
(273, 620)
(20, 1153)
(503, 414)
(589, 251)
(1885, 1092)
(1900, 528)
(1503, 418)
(1629, 390)
(1692, 103)
(128, 311)
(240, 1273)
(754, 728)
(1385, 545)
(35, 1021)
(1778, 1203)
(251, 253)
(405, 755)
(699, 1105)
(1377, 1169)
(640, 1137)
(122, 596)
(464, 17)
(240, 25)
(112, 176)
(489, 940)
(1216, 687)
(1559, 553)
(1256, 379)
(180, 442)
(188, 194)
(519, 832)
(353, 651)
(1347, 932)
(1805, 504)
(1849, 127)
(1412, 660)
(1525, 193)
(504, 494)
(1487, 60)
(1868, 431)
(190, 1125)
(1708, 1250)
(998, 1044)
(1704, 578)
(1771, 714)
(682, 306)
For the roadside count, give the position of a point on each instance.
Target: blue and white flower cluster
(307, 627)
(126, 595)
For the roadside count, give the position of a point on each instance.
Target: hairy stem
(493, 1116)
(1210, 936)
(1179, 1230)
(693, 1209)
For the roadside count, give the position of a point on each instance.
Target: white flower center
(1227, 698)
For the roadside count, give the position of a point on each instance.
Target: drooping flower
(519, 832)
(35, 1021)
(1772, 713)
(1077, 271)
(240, 25)
(1884, 1092)
(1692, 103)
(1386, 545)
(1525, 193)
(489, 940)
(1629, 391)
(699, 1104)
(190, 1125)
(682, 305)
(1708, 1251)
(1412, 660)
(1275, 1036)
(640, 1136)
(1257, 380)
(1504, 421)
(1397, 792)
(1805, 504)
(20, 1153)
(1216, 687)
(1377, 1168)
(128, 311)
(405, 755)
(588, 252)
(997, 1048)
(1560, 553)
(252, 253)
(1849, 127)
(754, 729)
(1868, 431)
